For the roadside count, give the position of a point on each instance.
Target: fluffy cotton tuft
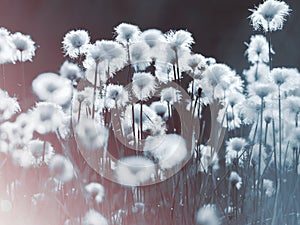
(127, 33)
(258, 49)
(92, 135)
(52, 88)
(143, 85)
(92, 217)
(75, 43)
(207, 215)
(270, 15)
(61, 168)
(134, 170)
(169, 149)
(24, 45)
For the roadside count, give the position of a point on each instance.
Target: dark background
(219, 28)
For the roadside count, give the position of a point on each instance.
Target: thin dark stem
(95, 87)
(141, 120)
(269, 41)
(259, 155)
(280, 135)
(275, 156)
(79, 111)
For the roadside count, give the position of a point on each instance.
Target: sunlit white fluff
(229, 117)
(109, 51)
(116, 96)
(161, 108)
(259, 72)
(134, 170)
(270, 15)
(258, 49)
(151, 121)
(163, 72)
(235, 180)
(8, 106)
(75, 43)
(70, 71)
(169, 149)
(95, 191)
(209, 157)
(155, 40)
(196, 65)
(24, 45)
(48, 117)
(7, 49)
(261, 89)
(170, 95)
(101, 73)
(42, 152)
(207, 215)
(61, 168)
(236, 144)
(140, 58)
(268, 187)
(143, 85)
(52, 88)
(25, 125)
(127, 33)
(179, 39)
(215, 82)
(91, 135)
(92, 217)
(22, 158)
(286, 78)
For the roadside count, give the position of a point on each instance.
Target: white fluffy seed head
(61, 168)
(270, 15)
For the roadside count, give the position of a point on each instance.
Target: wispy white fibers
(8, 106)
(75, 43)
(270, 15)
(22, 158)
(7, 47)
(169, 149)
(70, 71)
(170, 95)
(134, 170)
(209, 158)
(48, 117)
(207, 215)
(161, 109)
(127, 33)
(179, 39)
(140, 57)
(96, 191)
(24, 45)
(143, 85)
(235, 180)
(41, 151)
(92, 217)
(235, 150)
(52, 88)
(61, 168)
(258, 49)
(91, 135)
(151, 121)
(259, 72)
(116, 96)
(196, 64)
(268, 187)
(155, 40)
(110, 54)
